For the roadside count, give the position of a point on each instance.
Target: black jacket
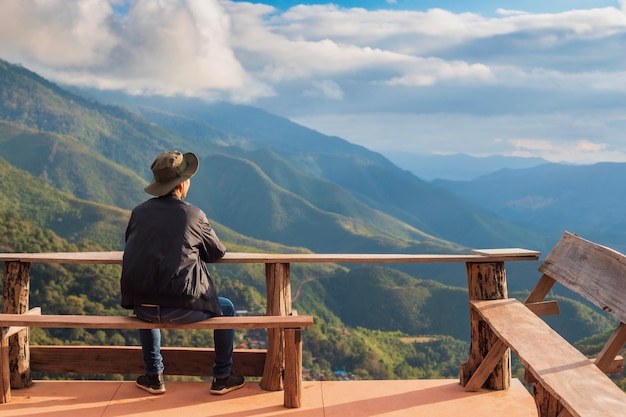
(168, 242)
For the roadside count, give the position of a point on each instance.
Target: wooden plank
(10, 331)
(507, 252)
(123, 322)
(485, 368)
(616, 366)
(115, 257)
(611, 348)
(559, 367)
(542, 288)
(544, 308)
(112, 257)
(512, 255)
(128, 360)
(595, 272)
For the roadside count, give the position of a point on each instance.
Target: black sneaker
(151, 383)
(223, 385)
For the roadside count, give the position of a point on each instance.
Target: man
(164, 275)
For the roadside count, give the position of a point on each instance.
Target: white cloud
(54, 34)
(430, 71)
(162, 47)
(422, 80)
(325, 89)
(557, 137)
(580, 151)
(190, 46)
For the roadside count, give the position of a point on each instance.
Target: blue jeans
(151, 338)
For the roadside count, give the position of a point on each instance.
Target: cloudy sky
(534, 78)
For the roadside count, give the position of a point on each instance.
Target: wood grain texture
(293, 368)
(122, 322)
(485, 281)
(277, 280)
(115, 257)
(563, 371)
(595, 272)
(128, 360)
(16, 291)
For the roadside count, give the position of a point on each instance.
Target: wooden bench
(565, 382)
(11, 324)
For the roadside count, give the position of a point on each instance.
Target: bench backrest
(595, 272)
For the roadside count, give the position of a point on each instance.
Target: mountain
(584, 199)
(74, 143)
(65, 162)
(245, 126)
(457, 167)
(262, 208)
(366, 175)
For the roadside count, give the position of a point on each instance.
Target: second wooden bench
(565, 381)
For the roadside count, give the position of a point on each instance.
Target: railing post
(485, 281)
(293, 373)
(277, 276)
(15, 292)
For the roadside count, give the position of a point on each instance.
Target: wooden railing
(486, 277)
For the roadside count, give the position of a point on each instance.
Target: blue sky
(534, 78)
(483, 7)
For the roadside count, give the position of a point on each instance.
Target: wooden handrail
(115, 257)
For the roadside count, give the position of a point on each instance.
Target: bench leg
(274, 361)
(547, 404)
(611, 348)
(487, 366)
(293, 368)
(5, 374)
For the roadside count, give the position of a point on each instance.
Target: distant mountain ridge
(458, 167)
(586, 199)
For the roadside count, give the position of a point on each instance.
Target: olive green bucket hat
(170, 169)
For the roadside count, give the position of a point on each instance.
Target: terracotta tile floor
(427, 398)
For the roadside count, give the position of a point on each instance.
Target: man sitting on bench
(164, 276)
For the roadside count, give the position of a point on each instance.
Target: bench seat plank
(564, 371)
(123, 322)
(7, 332)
